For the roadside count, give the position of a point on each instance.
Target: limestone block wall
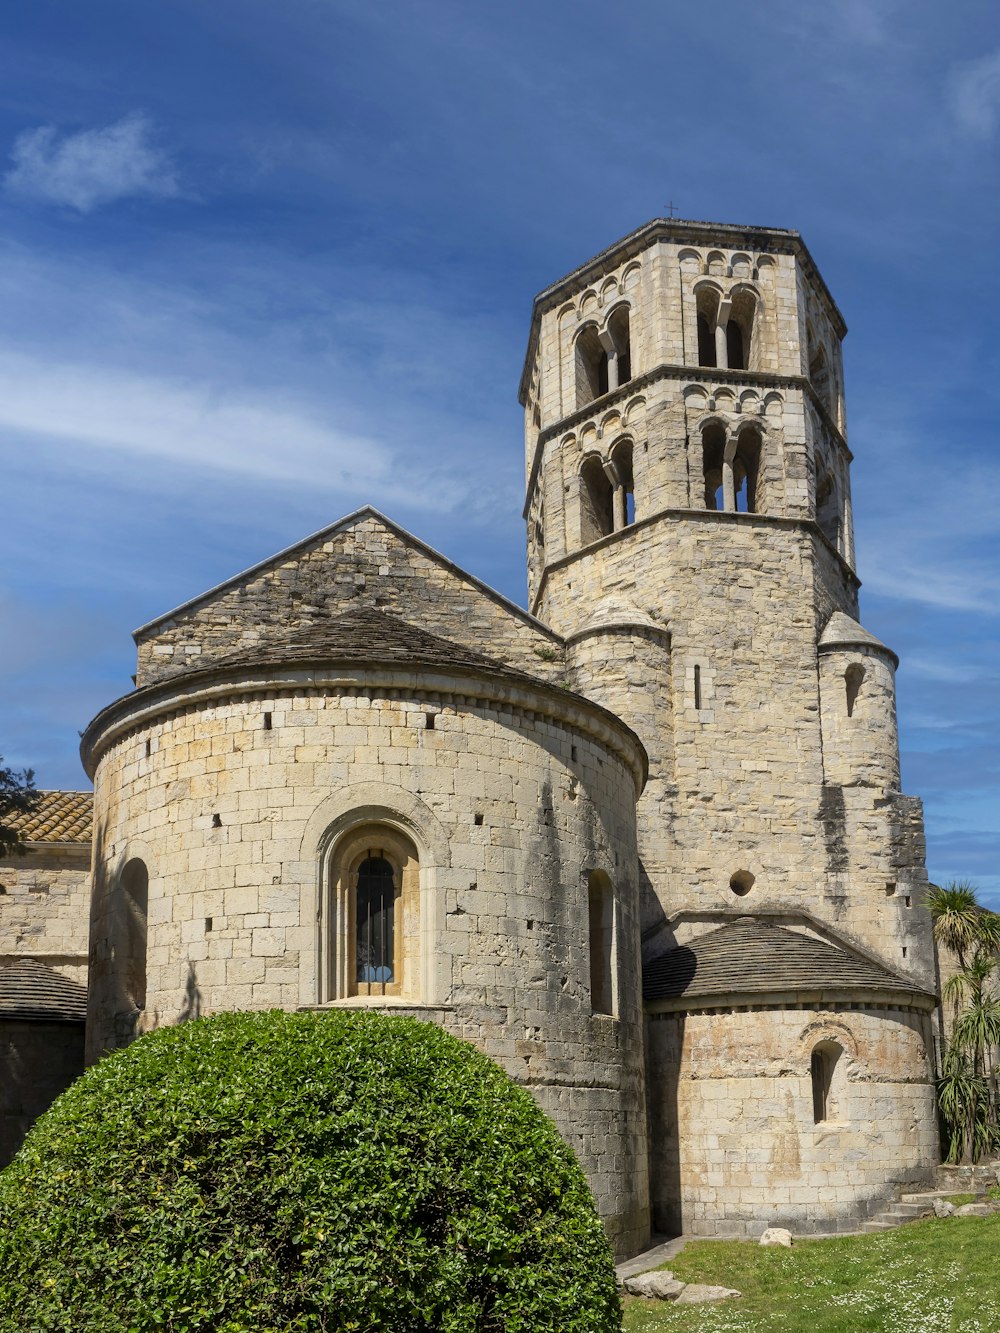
(736, 593)
(363, 561)
(510, 804)
(735, 1143)
(45, 907)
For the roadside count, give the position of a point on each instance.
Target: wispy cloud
(974, 95)
(92, 167)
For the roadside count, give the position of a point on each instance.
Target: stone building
(644, 843)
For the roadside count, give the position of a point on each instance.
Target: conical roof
(31, 990)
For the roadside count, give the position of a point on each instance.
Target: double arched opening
(607, 493)
(725, 327)
(371, 915)
(731, 469)
(603, 357)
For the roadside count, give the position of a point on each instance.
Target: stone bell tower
(690, 534)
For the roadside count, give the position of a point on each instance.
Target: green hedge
(339, 1171)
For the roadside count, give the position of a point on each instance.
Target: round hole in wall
(741, 883)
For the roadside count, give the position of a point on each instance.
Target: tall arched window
(708, 313)
(600, 902)
(746, 465)
(371, 936)
(853, 679)
(828, 507)
(596, 501)
(134, 908)
(620, 353)
(375, 922)
(591, 366)
(624, 491)
(713, 445)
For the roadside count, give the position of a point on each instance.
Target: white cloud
(91, 168)
(974, 94)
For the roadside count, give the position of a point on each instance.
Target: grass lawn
(927, 1277)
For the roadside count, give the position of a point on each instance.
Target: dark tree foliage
(277, 1172)
(17, 796)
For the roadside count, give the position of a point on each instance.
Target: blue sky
(261, 264)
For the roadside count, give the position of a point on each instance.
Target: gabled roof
(366, 634)
(325, 534)
(60, 816)
(749, 956)
(30, 990)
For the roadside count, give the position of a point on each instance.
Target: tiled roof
(368, 634)
(750, 956)
(60, 816)
(30, 990)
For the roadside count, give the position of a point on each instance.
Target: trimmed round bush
(272, 1172)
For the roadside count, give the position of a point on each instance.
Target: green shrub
(272, 1172)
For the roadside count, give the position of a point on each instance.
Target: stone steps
(909, 1208)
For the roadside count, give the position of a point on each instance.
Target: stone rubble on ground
(942, 1208)
(974, 1210)
(776, 1236)
(663, 1286)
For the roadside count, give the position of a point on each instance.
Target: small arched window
(853, 679)
(591, 367)
(134, 908)
(822, 1069)
(596, 501)
(600, 902)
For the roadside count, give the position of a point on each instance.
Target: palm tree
(966, 1092)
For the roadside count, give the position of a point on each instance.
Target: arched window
(739, 329)
(371, 916)
(828, 507)
(713, 445)
(596, 501)
(746, 465)
(591, 367)
(819, 375)
(624, 491)
(822, 1069)
(620, 364)
(600, 901)
(375, 922)
(134, 907)
(853, 679)
(708, 315)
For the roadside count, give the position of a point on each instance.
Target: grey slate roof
(750, 956)
(30, 990)
(368, 634)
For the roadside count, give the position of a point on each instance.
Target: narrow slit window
(697, 687)
(601, 914)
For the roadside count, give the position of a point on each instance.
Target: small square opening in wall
(477, 819)
(890, 888)
(208, 924)
(216, 821)
(429, 721)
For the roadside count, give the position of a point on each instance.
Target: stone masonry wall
(734, 1141)
(45, 907)
(509, 809)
